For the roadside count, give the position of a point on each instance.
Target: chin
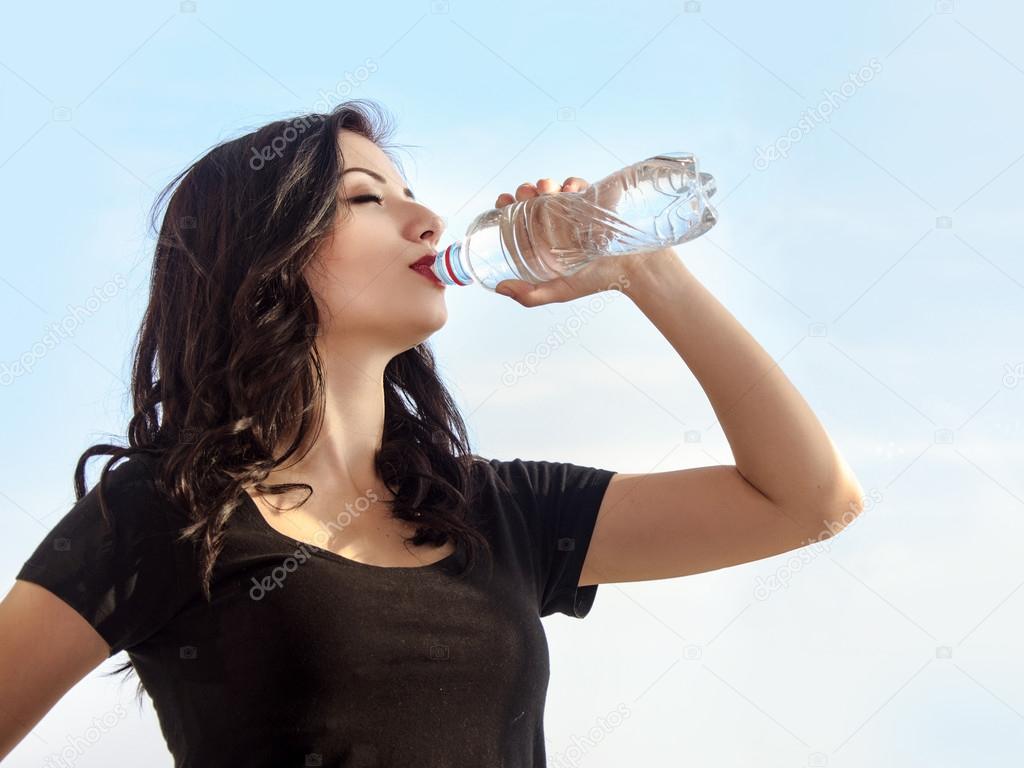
(431, 317)
(436, 320)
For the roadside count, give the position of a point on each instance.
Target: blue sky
(874, 256)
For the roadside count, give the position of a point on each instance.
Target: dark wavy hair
(225, 365)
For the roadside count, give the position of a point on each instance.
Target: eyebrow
(378, 177)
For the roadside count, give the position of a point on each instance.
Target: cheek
(349, 267)
(365, 281)
(366, 286)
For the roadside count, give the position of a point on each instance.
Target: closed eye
(366, 198)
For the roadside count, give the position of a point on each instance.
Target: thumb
(514, 289)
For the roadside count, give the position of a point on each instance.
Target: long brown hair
(225, 368)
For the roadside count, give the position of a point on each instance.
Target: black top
(307, 658)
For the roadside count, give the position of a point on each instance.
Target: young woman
(303, 559)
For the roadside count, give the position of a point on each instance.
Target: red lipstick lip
(424, 261)
(427, 273)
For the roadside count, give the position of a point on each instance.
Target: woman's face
(368, 295)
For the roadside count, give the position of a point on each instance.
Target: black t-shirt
(307, 658)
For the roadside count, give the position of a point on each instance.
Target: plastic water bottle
(649, 205)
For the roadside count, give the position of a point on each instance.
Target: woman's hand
(599, 275)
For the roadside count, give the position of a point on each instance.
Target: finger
(546, 186)
(503, 199)
(574, 184)
(550, 292)
(525, 191)
(512, 288)
(534, 294)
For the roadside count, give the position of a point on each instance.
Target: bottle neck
(449, 266)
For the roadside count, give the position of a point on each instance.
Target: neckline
(250, 505)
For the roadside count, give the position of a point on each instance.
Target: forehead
(357, 150)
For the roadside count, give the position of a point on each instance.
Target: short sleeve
(120, 577)
(561, 501)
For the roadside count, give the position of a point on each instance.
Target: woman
(390, 615)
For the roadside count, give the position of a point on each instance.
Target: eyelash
(363, 198)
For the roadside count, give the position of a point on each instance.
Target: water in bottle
(656, 203)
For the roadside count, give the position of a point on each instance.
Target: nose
(432, 234)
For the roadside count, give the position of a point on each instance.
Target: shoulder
(137, 470)
(510, 474)
(133, 496)
(546, 490)
(541, 477)
(121, 511)
(116, 563)
(507, 480)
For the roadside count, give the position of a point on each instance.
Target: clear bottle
(649, 205)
